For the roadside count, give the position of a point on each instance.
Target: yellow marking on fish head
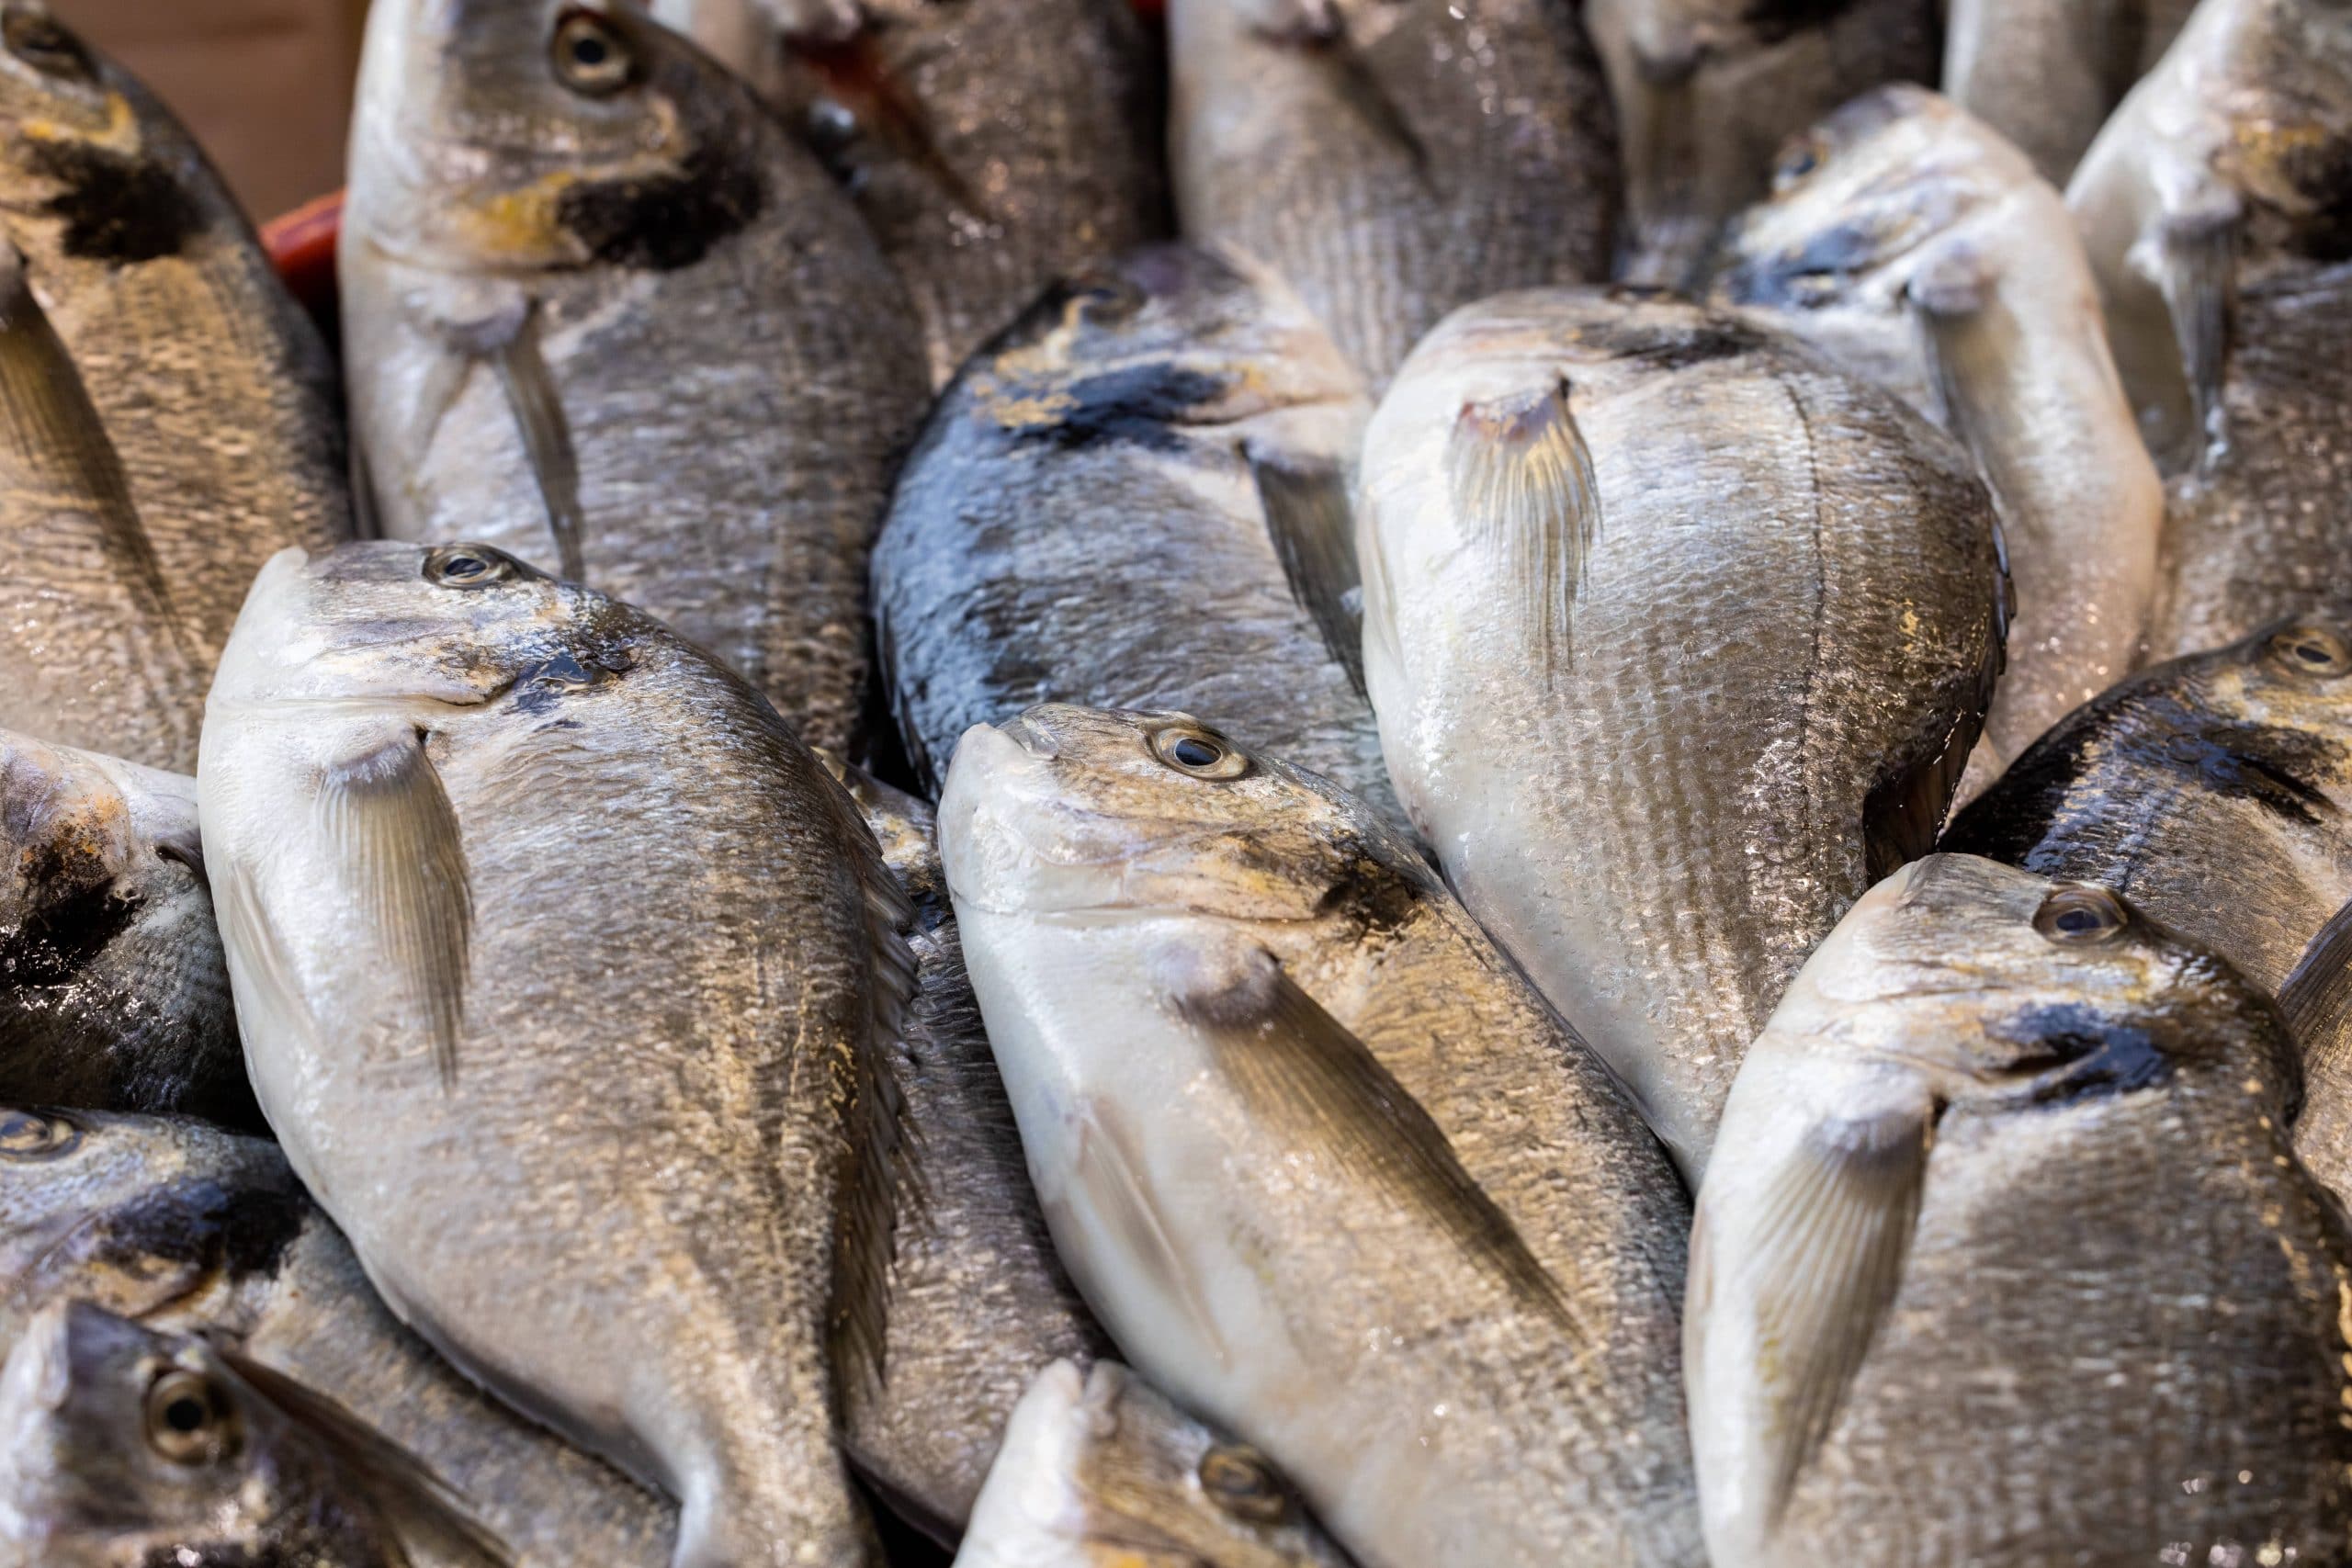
(118, 134)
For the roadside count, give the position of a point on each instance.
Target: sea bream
(1678, 638)
(522, 1099)
(1329, 1171)
(600, 310)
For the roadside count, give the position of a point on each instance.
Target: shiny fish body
(1099, 1471)
(600, 316)
(1138, 497)
(188, 1229)
(524, 1102)
(2046, 74)
(2214, 791)
(2003, 1259)
(1677, 637)
(1909, 242)
(992, 145)
(112, 989)
(1327, 1169)
(1392, 161)
(979, 1302)
(1707, 91)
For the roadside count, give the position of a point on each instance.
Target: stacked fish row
(870, 798)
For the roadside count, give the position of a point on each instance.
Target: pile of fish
(985, 781)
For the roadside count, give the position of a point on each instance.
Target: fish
(2215, 792)
(1138, 497)
(1326, 1168)
(2046, 74)
(1908, 240)
(1101, 1470)
(1707, 91)
(979, 1302)
(2228, 166)
(992, 145)
(2261, 531)
(186, 1228)
(523, 1100)
(1394, 159)
(113, 991)
(2003, 1257)
(1677, 637)
(122, 1446)
(599, 310)
(168, 415)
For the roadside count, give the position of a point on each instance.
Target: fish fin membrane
(1107, 1170)
(538, 406)
(1309, 1075)
(262, 975)
(387, 812)
(2197, 246)
(422, 1510)
(1972, 344)
(1523, 483)
(1307, 516)
(1821, 1263)
(2316, 998)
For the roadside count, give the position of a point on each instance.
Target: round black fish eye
(2080, 917)
(189, 1419)
(40, 41)
(25, 1135)
(468, 566)
(1239, 1480)
(591, 55)
(2311, 650)
(1796, 163)
(1199, 753)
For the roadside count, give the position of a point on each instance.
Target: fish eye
(41, 42)
(28, 1137)
(2310, 651)
(1795, 163)
(468, 566)
(1196, 751)
(189, 1419)
(1103, 295)
(2077, 916)
(590, 56)
(1240, 1481)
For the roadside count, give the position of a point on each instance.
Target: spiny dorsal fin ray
(1306, 502)
(1521, 480)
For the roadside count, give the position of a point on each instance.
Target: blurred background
(265, 84)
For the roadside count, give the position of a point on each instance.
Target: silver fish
(1678, 638)
(634, 1176)
(992, 145)
(2046, 74)
(1394, 159)
(1326, 1168)
(124, 1448)
(2003, 1259)
(599, 310)
(1138, 497)
(1912, 244)
(1099, 1471)
(112, 989)
(186, 1228)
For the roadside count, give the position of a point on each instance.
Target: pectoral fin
(1522, 485)
(538, 406)
(1109, 1169)
(1306, 502)
(1972, 350)
(2316, 996)
(2195, 247)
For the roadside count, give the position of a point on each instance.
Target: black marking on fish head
(2071, 1052)
(115, 208)
(1810, 277)
(1138, 405)
(663, 221)
(2277, 769)
(75, 908)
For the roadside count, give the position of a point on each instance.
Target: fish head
(389, 624)
(2270, 716)
(1166, 335)
(159, 1219)
(517, 136)
(2000, 992)
(1073, 810)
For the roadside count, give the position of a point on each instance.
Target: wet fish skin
(1393, 160)
(1906, 240)
(1315, 1153)
(1706, 92)
(980, 195)
(553, 297)
(2046, 74)
(122, 1446)
(116, 996)
(979, 1302)
(2213, 790)
(416, 763)
(189, 1229)
(1659, 753)
(2004, 1187)
(1099, 1471)
(1098, 512)
(2226, 168)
